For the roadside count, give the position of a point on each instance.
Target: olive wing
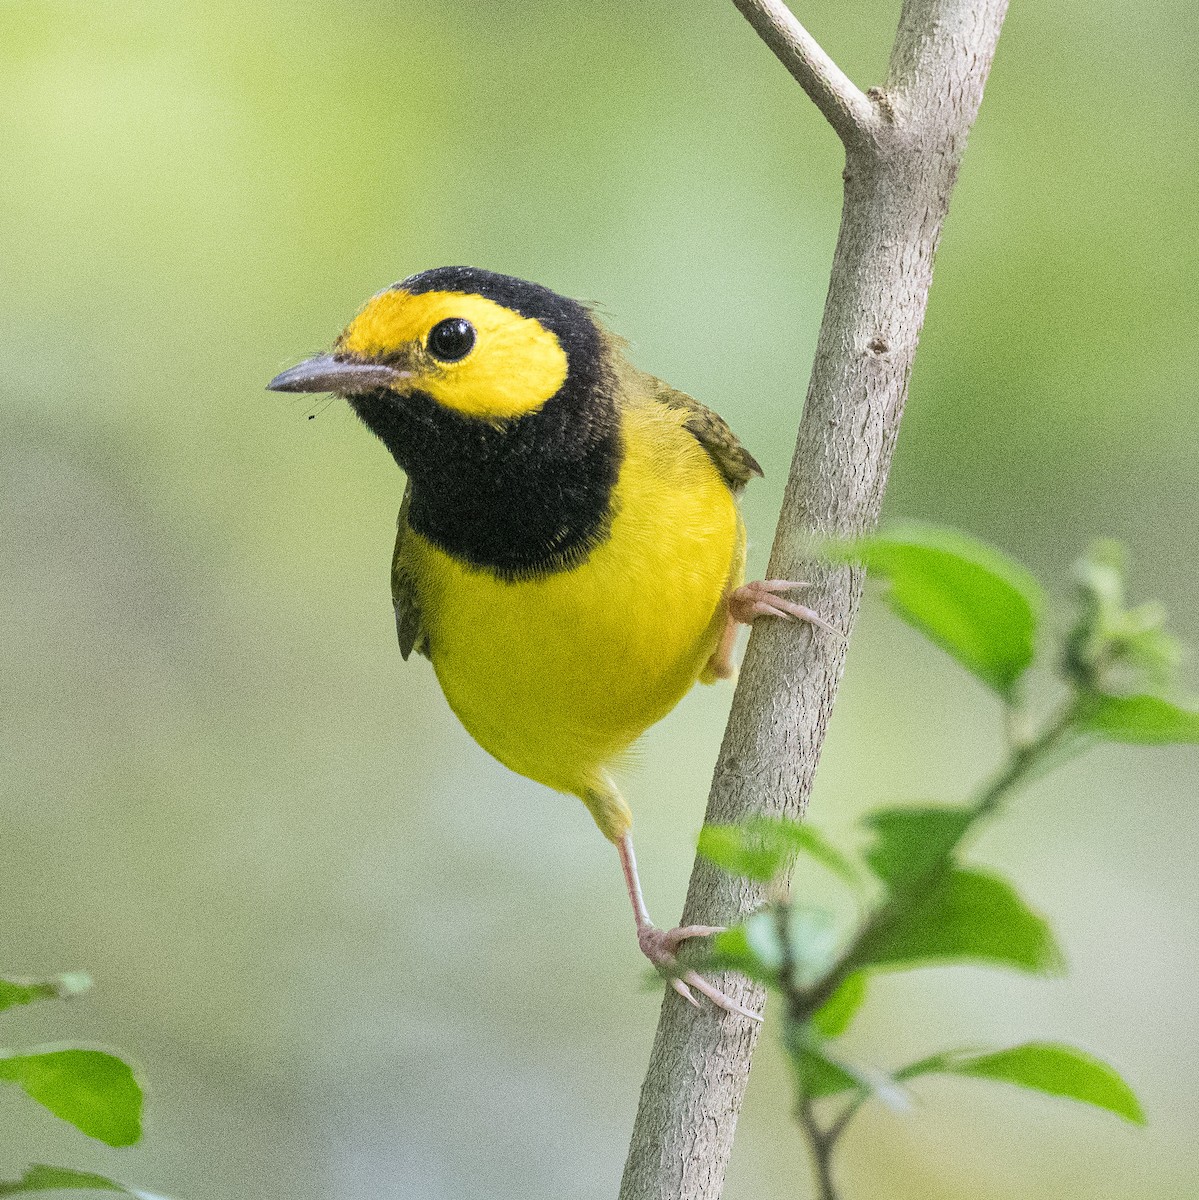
(732, 460)
(404, 595)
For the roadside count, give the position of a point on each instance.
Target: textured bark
(900, 171)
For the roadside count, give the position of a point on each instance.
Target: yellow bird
(570, 554)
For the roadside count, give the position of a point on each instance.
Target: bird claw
(684, 991)
(762, 598)
(660, 946)
(717, 997)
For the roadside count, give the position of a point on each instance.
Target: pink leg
(660, 945)
(760, 599)
(721, 663)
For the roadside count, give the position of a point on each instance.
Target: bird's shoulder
(734, 462)
(405, 598)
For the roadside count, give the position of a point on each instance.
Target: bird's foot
(661, 946)
(763, 598)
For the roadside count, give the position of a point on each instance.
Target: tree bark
(901, 165)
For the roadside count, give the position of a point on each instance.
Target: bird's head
(483, 346)
(497, 397)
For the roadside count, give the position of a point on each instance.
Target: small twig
(847, 109)
(788, 984)
(1026, 758)
(1016, 733)
(833, 1133)
(1023, 762)
(821, 1147)
(820, 1141)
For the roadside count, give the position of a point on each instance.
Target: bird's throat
(521, 499)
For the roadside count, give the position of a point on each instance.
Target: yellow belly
(558, 676)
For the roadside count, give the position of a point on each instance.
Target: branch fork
(894, 207)
(857, 117)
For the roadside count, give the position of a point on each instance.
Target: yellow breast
(558, 676)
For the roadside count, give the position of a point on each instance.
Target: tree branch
(848, 110)
(897, 192)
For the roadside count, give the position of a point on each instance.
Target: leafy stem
(984, 610)
(1024, 761)
(1027, 758)
(93, 1090)
(820, 1147)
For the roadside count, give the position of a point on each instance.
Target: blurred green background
(353, 956)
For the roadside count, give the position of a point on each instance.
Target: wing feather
(724, 448)
(404, 596)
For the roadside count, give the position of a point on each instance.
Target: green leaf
(911, 842)
(934, 1064)
(762, 846)
(1140, 720)
(964, 916)
(1048, 1067)
(755, 948)
(26, 991)
(94, 1091)
(732, 850)
(751, 947)
(41, 1178)
(1112, 648)
(836, 1014)
(974, 602)
(812, 937)
(818, 1075)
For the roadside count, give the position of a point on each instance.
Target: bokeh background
(353, 957)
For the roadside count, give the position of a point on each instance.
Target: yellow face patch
(514, 366)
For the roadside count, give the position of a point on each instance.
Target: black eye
(451, 339)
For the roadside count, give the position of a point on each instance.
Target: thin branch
(820, 1150)
(1029, 758)
(848, 110)
(1022, 765)
(878, 290)
(838, 1126)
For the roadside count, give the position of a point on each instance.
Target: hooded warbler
(570, 555)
